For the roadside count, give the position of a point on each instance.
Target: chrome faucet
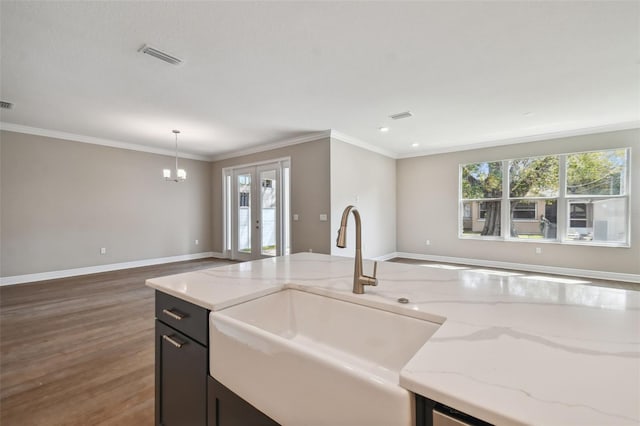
(359, 279)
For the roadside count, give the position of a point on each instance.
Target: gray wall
(369, 178)
(428, 208)
(61, 201)
(310, 193)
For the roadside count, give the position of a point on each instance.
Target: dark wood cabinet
(182, 359)
(432, 413)
(186, 394)
(181, 379)
(228, 409)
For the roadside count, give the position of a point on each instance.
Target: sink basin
(305, 359)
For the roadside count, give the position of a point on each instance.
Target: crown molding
(275, 145)
(18, 128)
(627, 125)
(357, 142)
(331, 133)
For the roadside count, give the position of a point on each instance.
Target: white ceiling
(472, 73)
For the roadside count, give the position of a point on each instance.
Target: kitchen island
(511, 348)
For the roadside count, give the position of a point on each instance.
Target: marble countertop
(512, 348)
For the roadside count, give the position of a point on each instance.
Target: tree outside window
(593, 196)
(482, 183)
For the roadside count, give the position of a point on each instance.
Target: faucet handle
(363, 280)
(373, 279)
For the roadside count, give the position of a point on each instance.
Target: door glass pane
(286, 214)
(228, 204)
(244, 213)
(268, 200)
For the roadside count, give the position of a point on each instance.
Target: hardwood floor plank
(79, 350)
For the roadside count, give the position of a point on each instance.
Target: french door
(257, 199)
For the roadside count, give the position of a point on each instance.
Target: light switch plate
(295, 217)
(323, 218)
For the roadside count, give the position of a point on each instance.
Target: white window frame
(563, 199)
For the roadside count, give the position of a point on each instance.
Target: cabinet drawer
(186, 317)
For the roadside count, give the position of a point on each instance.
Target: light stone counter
(512, 349)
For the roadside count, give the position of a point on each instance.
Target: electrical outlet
(323, 217)
(295, 217)
(197, 242)
(538, 250)
(428, 242)
(103, 250)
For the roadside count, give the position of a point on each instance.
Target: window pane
(536, 219)
(603, 220)
(484, 219)
(597, 173)
(525, 210)
(482, 180)
(534, 177)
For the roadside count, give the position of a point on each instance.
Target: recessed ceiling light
(415, 144)
(383, 129)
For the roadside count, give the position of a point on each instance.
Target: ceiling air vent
(160, 55)
(401, 115)
(6, 105)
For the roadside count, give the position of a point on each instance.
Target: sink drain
(403, 300)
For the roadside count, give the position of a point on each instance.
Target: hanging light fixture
(180, 174)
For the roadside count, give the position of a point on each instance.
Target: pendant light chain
(175, 132)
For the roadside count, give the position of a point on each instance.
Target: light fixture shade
(181, 174)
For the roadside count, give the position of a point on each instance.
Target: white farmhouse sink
(305, 359)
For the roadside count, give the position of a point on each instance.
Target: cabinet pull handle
(172, 341)
(172, 314)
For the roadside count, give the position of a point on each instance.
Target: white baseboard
(19, 279)
(385, 257)
(586, 273)
(603, 275)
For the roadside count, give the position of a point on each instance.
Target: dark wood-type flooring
(79, 351)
